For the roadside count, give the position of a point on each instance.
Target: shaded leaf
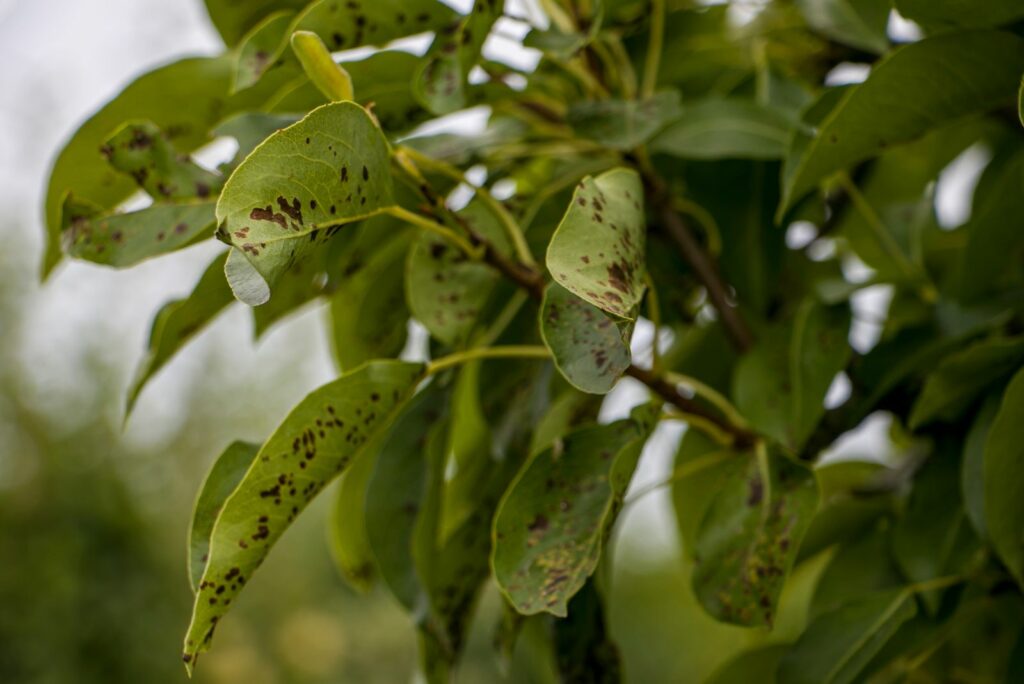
(624, 124)
(233, 19)
(346, 529)
(750, 536)
(552, 521)
(584, 650)
(300, 185)
(445, 289)
(758, 665)
(860, 23)
(179, 321)
(1004, 488)
(597, 251)
(897, 104)
(726, 128)
(860, 567)
(836, 646)
(588, 347)
(314, 444)
(440, 82)
(227, 471)
(952, 14)
(954, 386)
(972, 476)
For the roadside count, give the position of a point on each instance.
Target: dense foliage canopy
(699, 173)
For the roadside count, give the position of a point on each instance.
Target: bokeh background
(93, 512)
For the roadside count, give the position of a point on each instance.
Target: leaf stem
(476, 253)
(503, 352)
(496, 208)
(716, 398)
(654, 48)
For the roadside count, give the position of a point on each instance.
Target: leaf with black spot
(750, 536)
(597, 251)
(314, 444)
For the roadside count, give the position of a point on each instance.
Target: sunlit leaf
(587, 345)
(314, 444)
(982, 70)
(552, 522)
(301, 185)
(597, 252)
(749, 538)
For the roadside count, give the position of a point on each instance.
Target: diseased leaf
(860, 23)
(954, 386)
(446, 290)
(836, 646)
(259, 48)
(250, 129)
(179, 321)
(233, 19)
(314, 444)
(227, 471)
(440, 82)
(346, 25)
(552, 521)
(301, 185)
(588, 347)
(597, 251)
(780, 385)
(750, 536)
(982, 68)
(157, 97)
(624, 124)
(123, 240)
(1004, 488)
(724, 129)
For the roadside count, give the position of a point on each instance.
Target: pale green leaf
(597, 251)
(836, 646)
(750, 536)
(954, 386)
(726, 128)
(1004, 488)
(314, 444)
(899, 102)
(227, 471)
(860, 23)
(552, 521)
(179, 321)
(300, 185)
(346, 528)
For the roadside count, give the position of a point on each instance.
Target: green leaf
(972, 476)
(726, 128)
(860, 23)
(991, 260)
(750, 536)
(552, 521)
(299, 186)
(597, 251)
(314, 444)
(157, 97)
(250, 129)
(179, 321)
(440, 82)
(624, 124)
(701, 467)
(368, 311)
(588, 347)
(234, 19)
(259, 48)
(1004, 488)
(227, 471)
(346, 528)
(123, 240)
(343, 26)
(447, 291)
(584, 649)
(954, 386)
(836, 646)
(951, 14)
(756, 665)
(853, 497)
(780, 385)
(860, 567)
(899, 102)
